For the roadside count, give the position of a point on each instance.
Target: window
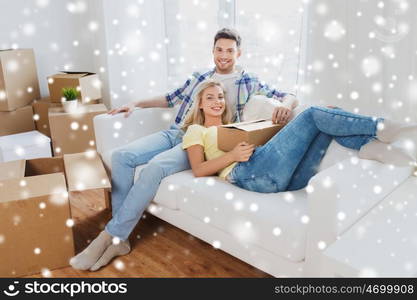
(271, 35)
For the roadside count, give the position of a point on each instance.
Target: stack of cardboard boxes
(22, 109)
(35, 193)
(18, 88)
(70, 132)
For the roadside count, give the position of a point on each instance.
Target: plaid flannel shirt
(247, 85)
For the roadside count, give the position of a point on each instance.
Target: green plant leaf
(70, 93)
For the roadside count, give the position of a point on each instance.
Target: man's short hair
(230, 34)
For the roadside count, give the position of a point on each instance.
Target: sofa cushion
(275, 222)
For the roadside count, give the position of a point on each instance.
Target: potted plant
(70, 97)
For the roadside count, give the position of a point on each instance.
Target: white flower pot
(70, 106)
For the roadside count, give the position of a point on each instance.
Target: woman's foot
(112, 251)
(87, 258)
(386, 153)
(389, 131)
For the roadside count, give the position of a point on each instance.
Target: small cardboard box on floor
(20, 120)
(74, 132)
(18, 78)
(87, 83)
(35, 217)
(256, 132)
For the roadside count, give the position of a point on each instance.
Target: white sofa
(282, 234)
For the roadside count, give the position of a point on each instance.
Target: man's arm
(168, 100)
(158, 101)
(290, 101)
(281, 114)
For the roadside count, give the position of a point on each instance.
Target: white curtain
(136, 49)
(189, 27)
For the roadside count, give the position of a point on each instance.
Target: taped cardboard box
(74, 132)
(256, 132)
(87, 83)
(19, 84)
(20, 120)
(35, 217)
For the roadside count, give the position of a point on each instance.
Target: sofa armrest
(342, 194)
(112, 131)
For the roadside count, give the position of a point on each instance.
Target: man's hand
(281, 115)
(127, 109)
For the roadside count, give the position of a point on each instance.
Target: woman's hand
(242, 152)
(281, 115)
(127, 109)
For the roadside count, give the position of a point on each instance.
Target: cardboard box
(74, 132)
(26, 145)
(256, 132)
(87, 83)
(35, 218)
(40, 113)
(12, 169)
(20, 120)
(18, 78)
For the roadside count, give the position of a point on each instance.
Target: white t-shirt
(228, 81)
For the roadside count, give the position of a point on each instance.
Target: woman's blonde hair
(196, 114)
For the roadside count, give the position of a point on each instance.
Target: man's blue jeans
(293, 155)
(163, 153)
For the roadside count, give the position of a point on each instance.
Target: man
(162, 151)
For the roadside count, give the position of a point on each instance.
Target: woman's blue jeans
(292, 156)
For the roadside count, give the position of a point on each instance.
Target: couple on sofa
(286, 162)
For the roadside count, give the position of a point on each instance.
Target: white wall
(52, 29)
(348, 56)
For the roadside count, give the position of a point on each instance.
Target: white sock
(112, 251)
(389, 131)
(386, 153)
(85, 259)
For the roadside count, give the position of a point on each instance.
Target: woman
(288, 160)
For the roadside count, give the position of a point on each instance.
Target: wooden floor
(158, 248)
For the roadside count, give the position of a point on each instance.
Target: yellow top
(206, 137)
